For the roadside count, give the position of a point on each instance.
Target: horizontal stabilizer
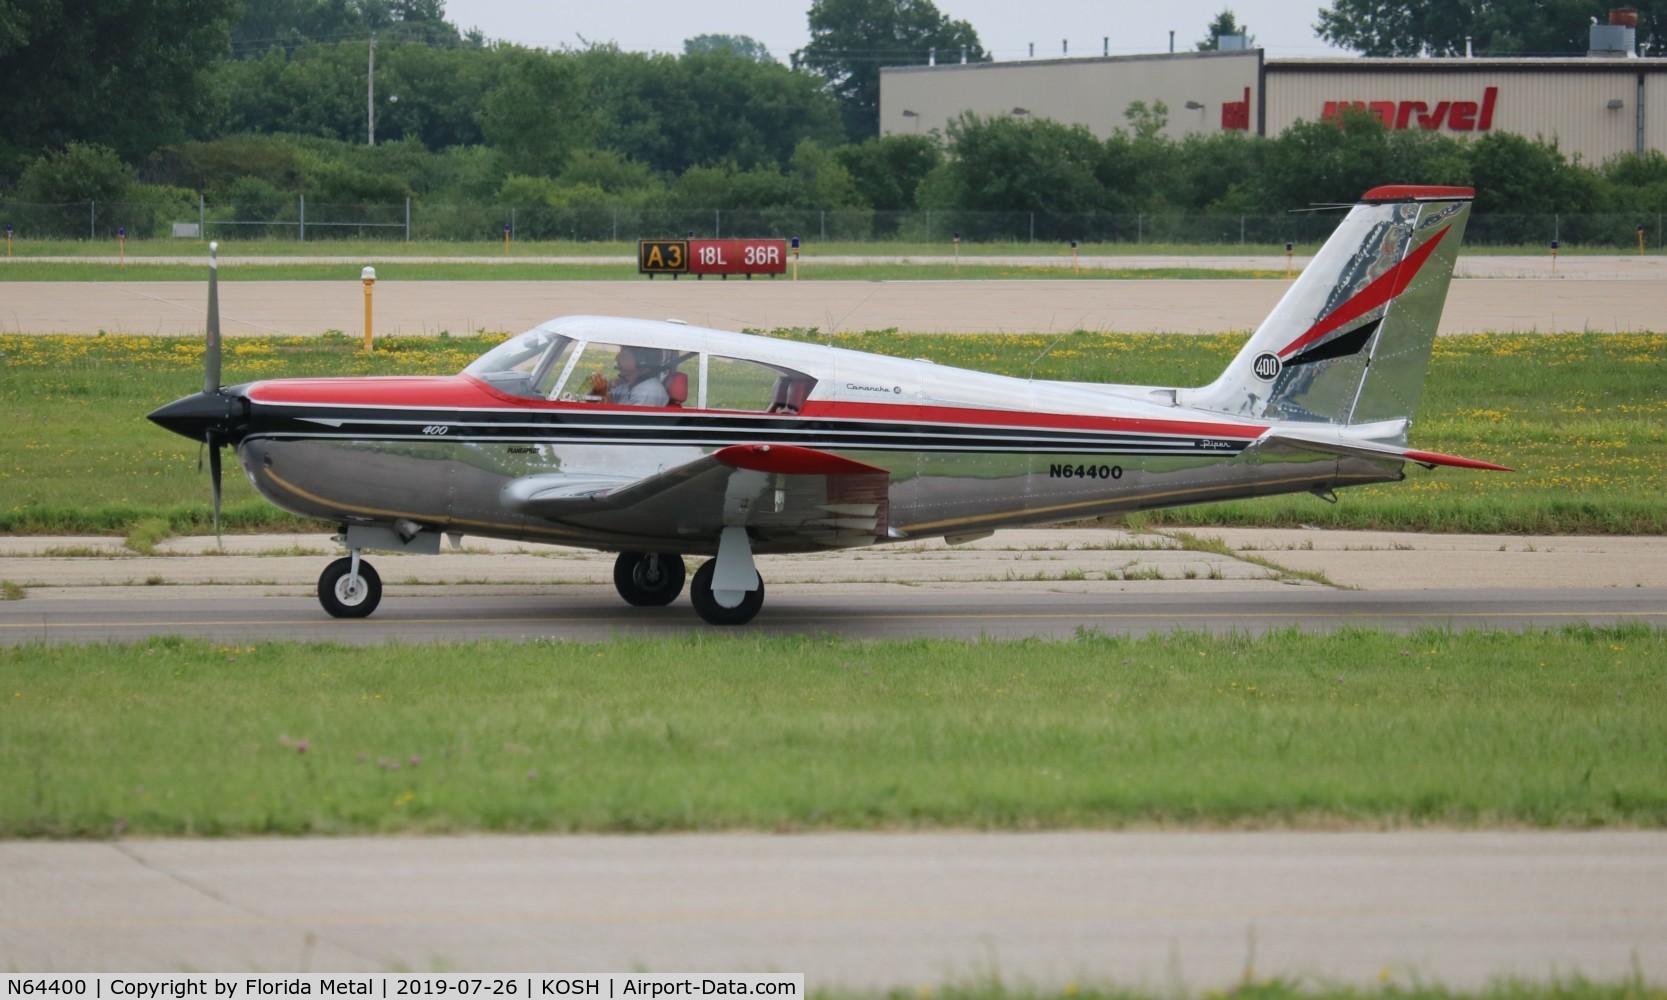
(1337, 444)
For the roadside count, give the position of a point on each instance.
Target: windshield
(527, 365)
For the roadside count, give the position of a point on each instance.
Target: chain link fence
(305, 221)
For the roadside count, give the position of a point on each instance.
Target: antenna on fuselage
(1034, 361)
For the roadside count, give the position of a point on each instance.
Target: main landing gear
(349, 587)
(725, 591)
(649, 579)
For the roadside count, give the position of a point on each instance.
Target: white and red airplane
(658, 440)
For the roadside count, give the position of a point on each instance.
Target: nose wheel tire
(343, 597)
(706, 603)
(649, 579)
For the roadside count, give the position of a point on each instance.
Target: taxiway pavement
(1033, 582)
(1577, 303)
(1174, 914)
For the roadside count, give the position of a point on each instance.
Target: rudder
(1350, 341)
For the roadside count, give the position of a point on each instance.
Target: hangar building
(1595, 107)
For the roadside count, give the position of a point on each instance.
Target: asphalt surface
(877, 612)
(1173, 913)
(1035, 582)
(1606, 294)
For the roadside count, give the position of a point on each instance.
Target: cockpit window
(743, 384)
(528, 365)
(629, 374)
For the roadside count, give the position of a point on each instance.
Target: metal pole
(1033, 227)
(370, 96)
(1140, 223)
(616, 224)
(824, 225)
(717, 224)
(408, 220)
(92, 220)
(202, 217)
(303, 218)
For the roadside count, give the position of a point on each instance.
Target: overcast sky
(1005, 27)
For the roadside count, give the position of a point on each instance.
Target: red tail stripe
(1388, 285)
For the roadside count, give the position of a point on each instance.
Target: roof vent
(1618, 39)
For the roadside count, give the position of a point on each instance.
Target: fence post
(928, 225)
(408, 220)
(303, 222)
(1033, 227)
(616, 224)
(1241, 229)
(92, 220)
(1140, 227)
(824, 225)
(202, 217)
(717, 223)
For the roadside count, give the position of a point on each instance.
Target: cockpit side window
(527, 365)
(626, 374)
(743, 384)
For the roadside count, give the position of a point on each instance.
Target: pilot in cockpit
(639, 382)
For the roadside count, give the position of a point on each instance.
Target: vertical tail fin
(1350, 342)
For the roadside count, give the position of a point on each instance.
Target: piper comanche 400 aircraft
(661, 440)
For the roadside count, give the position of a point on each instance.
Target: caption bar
(393, 986)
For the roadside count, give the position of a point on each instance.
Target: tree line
(722, 125)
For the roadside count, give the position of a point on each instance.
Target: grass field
(1583, 418)
(1360, 728)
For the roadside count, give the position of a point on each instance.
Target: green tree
(886, 170)
(540, 114)
(1002, 164)
(672, 113)
(127, 74)
(1497, 27)
(1225, 23)
(1336, 161)
(266, 24)
(78, 172)
(744, 46)
(851, 39)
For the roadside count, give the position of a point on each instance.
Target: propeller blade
(211, 358)
(214, 481)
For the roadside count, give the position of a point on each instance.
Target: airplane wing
(783, 494)
(1362, 448)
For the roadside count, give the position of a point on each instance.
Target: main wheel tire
(344, 601)
(648, 582)
(707, 606)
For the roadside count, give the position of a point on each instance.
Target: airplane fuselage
(963, 453)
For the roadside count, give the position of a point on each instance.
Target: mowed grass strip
(1360, 728)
